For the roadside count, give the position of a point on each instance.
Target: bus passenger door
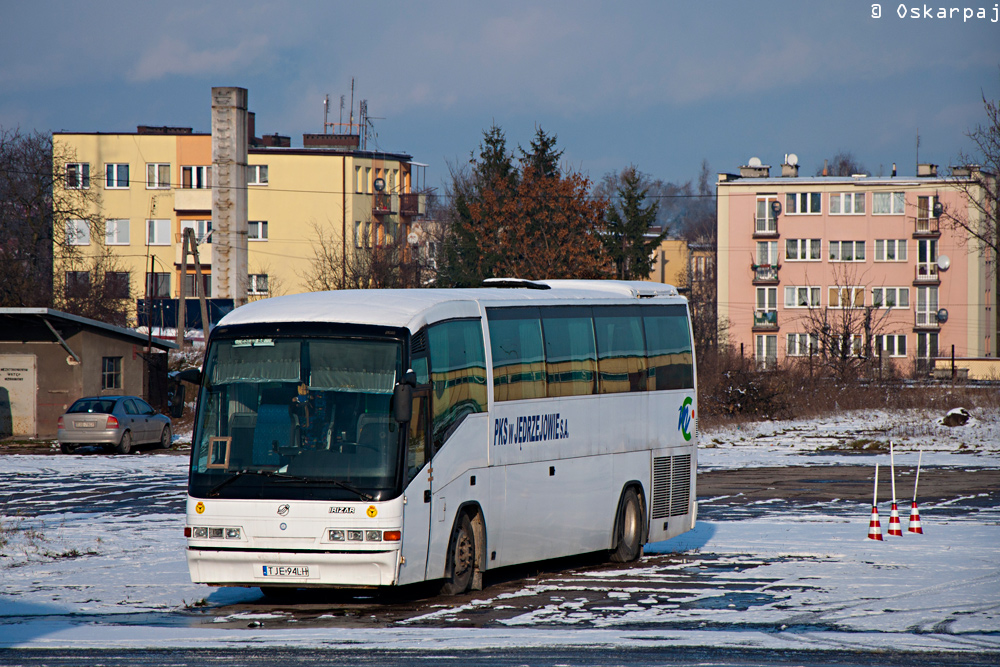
(417, 510)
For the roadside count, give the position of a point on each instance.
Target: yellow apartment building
(156, 182)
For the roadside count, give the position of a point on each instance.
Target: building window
(78, 232)
(800, 250)
(362, 234)
(927, 305)
(801, 344)
(158, 232)
(891, 345)
(847, 297)
(258, 283)
(767, 253)
(925, 211)
(847, 251)
(767, 298)
(368, 180)
(765, 221)
(800, 203)
(358, 186)
(767, 350)
(196, 178)
(257, 230)
(699, 267)
(78, 175)
(890, 250)
(111, 373)
(116, 176)
(157, 175)
(927, 349)
(77, 284)
(888, 203)
(802, 297)
(847, 203)
(158, 285)
(116, 285)
(191, 283)
(257, 174)
(202, 229)
(891, 297)
(927, 257)
(116, 231)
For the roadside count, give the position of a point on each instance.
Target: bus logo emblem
(283, 510)
(684, 421)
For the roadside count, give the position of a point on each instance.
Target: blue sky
(661, 85)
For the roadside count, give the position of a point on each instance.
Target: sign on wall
(18, 391)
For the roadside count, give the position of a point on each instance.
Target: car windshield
(298, 412)
(98, 405)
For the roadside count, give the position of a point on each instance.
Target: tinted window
(130, 407)
(458, 374)
(668, 348)
(621, 353)
(570, 352)
(518, 355)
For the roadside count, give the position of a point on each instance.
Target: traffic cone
(895, 528)
(874, 528)
(915, 526)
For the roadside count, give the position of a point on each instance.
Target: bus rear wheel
(461, 558)
(628, 528)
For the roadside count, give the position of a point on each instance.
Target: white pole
(875, 493)
(892, 472)
(917, 480)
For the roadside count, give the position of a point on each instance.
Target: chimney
(927, 169)
(789, 169)
(826, 167)
(251, 127)
(754, 169)
(894, 170)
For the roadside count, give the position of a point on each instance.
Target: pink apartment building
(871, 258)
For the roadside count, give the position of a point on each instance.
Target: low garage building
(48, 359)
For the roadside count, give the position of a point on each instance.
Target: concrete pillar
(229, 194)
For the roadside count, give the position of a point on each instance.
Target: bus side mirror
(402, 398)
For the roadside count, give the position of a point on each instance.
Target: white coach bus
(385, 437)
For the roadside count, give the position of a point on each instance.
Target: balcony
(765, 320)
(385, 203)
(413, 204)
(926, 273)
(192, 199)
(926, 320)
(765, 228)
(927, 227)
(765, 274)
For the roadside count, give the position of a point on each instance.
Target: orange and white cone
(874, 528)
(895, 528)
(915, 526)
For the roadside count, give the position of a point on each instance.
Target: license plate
(86, 424)
(286, 570)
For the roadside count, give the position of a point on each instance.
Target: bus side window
(458, 375)
(416, 448)
(668, 346)
(621, 349)
(518, 354)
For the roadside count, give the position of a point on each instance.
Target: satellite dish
(944, 262)
(938, 209)
(412, 238)
(942, 315)
(379, 184)
(776, 208)
(793, 159)
(754, 162)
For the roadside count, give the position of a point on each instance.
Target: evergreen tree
(630, 240)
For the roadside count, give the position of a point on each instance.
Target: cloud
(172, 56)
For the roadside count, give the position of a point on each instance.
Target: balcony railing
(765, 227)
(926, 272)
(412, 204)
(926, 320)
(765, 319)
(765, 273)
(927, 227)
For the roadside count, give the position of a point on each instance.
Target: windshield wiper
(214, 491)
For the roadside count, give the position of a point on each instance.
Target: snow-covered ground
(83, 547)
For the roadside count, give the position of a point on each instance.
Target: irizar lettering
(529, 429)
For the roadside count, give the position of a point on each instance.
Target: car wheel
(67, 447)
(628, 529)
(165, 439)
(125, 446)
(461, 558)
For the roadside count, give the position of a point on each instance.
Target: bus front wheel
(461, 558)
(628, 528)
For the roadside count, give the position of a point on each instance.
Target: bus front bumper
(232, 567)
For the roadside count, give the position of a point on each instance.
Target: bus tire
(461, 557)
(628, 528)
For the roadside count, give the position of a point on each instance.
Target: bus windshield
(297, 418)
